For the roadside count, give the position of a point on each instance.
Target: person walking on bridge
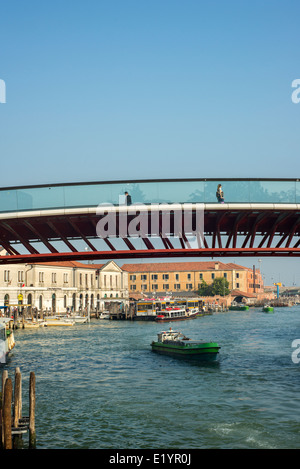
(220, 194)
(128, 200)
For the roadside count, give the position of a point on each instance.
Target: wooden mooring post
(12, 424)
(32, 435)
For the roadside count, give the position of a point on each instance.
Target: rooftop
(182, 267)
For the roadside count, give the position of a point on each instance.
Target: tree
(204, 289)
(220, 286)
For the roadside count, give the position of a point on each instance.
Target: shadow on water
(203, 362)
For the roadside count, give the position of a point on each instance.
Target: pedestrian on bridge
(128, 200)
(220, 194)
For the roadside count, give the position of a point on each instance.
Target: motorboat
(177, 344)
(268, 309)
(175, 314)
(7, 340)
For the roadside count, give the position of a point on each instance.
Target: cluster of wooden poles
(12, 424)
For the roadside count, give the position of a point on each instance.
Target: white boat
(175, 314)
(7, 340)
(78, 319)
(56, 321)
(104, 315)
(31, 324)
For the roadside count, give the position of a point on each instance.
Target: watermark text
(2, 92)
(296, 352)
(296, 92)
(157, 220)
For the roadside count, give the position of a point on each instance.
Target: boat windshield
(170, 335)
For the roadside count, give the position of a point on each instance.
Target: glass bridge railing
(279, 191)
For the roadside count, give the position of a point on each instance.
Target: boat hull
(202, 351)
(58, 322)
(239, 308)
(7, 344)
(175, 318)
(268, 309)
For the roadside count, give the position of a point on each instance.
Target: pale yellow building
(186, 276)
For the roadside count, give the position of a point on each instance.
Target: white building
(62, 286)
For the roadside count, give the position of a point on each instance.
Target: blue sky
(124, 89)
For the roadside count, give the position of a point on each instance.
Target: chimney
(216, 265)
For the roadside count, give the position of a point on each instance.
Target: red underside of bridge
(150, 253)
(227, 233)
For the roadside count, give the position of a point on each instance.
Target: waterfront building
(63, 286)
(188, 276)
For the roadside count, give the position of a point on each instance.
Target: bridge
(86, 221)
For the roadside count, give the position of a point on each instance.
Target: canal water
(100, 386)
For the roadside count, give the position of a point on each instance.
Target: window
(41, 277)
(132, 287)
(177, 286)
(166, 276)
(176, 276)
(154, 287)
(225, 275)
(92, 280)
(237, 285)
(154, 276)
(201, 276)
(6, 275)
(166, 286)
(20, 276)
(212, 276)
(144, 287)
(53, 277)
(143, 277)
(189, 276)
(86, 279)
(80, 279)
(237, 275)
(189, 286)
(65, 278)
(133, 277)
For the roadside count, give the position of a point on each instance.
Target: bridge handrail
(202, 190)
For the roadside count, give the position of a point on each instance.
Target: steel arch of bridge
(230, 229)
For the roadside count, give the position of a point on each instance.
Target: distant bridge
(260, 217)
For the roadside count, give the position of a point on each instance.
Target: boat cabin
(169, 335)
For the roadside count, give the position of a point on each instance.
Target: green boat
(177, 344)
(238, 307)
(268, 309)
